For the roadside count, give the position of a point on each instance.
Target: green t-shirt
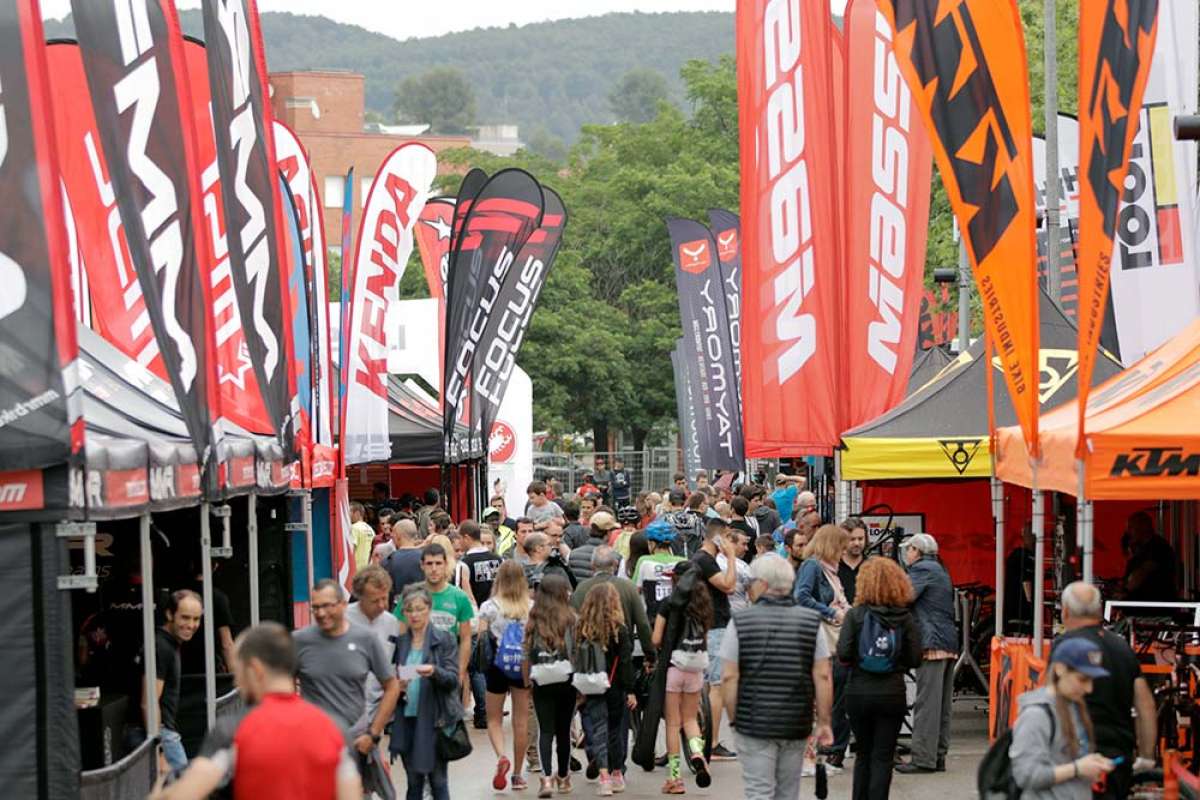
(451, 608)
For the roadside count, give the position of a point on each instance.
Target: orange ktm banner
(964, 61)
(1116, 46)
(790, 284)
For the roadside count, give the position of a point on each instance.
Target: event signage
(790, 228)
(134, 62)
(1115, 52)
(706, 343)
(964, 62)
(727, 230)
(38, 411)
(686, 379)
(888, 162)
(434, 227)
(385, 241)
(241, 114)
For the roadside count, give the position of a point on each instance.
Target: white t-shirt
(495, 618)
(740, 597)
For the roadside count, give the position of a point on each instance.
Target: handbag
(483, 652)
(590, 675)
(453, 742)
(551, 668)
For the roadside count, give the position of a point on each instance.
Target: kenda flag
(727, 230)
(789, 226)
(1116, 44)
(433, 230)
(241, 114)
(385, 241)
(964, 61)
(134, 62)
(888, 167)
(706, 343)
(38, 370)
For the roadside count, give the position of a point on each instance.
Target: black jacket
(580, 560)
(862, 682)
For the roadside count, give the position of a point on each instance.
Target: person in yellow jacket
(506, 537)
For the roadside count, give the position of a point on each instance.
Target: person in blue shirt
(786, 488)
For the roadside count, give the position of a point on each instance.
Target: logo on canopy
(1056, 368)
(502, 443)
(961, 452)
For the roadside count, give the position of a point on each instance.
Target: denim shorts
(172, 747)
(715, 637)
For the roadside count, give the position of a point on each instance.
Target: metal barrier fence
(132, 776)
(651, 469)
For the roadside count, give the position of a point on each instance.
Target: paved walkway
(471, 777)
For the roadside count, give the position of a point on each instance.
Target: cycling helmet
(628, 514)
(661, 532)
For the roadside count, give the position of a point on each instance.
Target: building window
(366, 189)
(335, 187)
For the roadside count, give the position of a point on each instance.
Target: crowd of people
(571, 617)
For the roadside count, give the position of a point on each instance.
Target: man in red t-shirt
(310, 761)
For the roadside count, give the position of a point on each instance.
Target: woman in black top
(879, 641)
(602, 622)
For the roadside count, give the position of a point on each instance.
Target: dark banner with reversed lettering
(496, 225)
(134, 62)
(685, 408)
(727, 230)
(241, 114)
(36, 323)
(706, 343)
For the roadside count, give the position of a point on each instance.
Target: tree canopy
(442, 97)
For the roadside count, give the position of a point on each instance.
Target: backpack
(878, 645)
(994, 777)
(510, 651)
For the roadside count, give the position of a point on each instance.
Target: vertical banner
(241, 114)
(345, 309)
(888, 167)
(964, 61)
(1115, 51)
(727, 230)
(706, 343)
(134, 61)
(433, 230)
(300, 322)
(685, 406)
(343, 539)
(496, 225)
(496, 358)
(39, 417)
(385, 241)
(790, 228)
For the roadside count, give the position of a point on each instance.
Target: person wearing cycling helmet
(619, 539)
(650, 574)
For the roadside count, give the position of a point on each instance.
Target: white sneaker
(830, 769)
(809, 770)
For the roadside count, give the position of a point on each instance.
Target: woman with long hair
(1053, 744)
(685, 680)
(638, 547)
(549, 642)
(602, 622)
(875, 699)
(508, 605)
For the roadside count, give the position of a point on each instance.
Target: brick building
(326, 110)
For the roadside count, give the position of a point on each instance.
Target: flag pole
(1053, 241)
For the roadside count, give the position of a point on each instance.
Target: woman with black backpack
(549, 644)
(879, 641)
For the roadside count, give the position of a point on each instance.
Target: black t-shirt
(191, 652)
(167, 667)
(481, 569)
(405, 568)
(1111, 700)
(620, 484)
(1018, 570)
(848, 575)
(1159, 585)
(708, 567)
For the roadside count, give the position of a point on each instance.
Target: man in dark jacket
(787, 666)
(688, 523)
(933, 607)
(580, 560)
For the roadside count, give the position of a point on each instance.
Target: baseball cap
(490, 512)
(602, 520)
(924, 543)
(1080, 655)
(677, 497)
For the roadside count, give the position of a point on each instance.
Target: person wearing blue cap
(1053, 745)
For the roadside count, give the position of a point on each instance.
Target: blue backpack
(510, 651)
(878, 645)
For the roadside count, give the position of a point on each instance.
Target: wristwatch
(375, 737)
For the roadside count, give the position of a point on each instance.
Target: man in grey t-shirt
(333, 659)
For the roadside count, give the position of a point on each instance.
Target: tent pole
(998, 521)
(252, 547)
(306, 505)
(210, 664)
(1083, 533)
(1039, 564)
(149, 667)
(840, 499)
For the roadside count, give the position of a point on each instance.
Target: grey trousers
(931, 712)
(771, 768)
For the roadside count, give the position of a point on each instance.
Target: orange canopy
(1142, 433)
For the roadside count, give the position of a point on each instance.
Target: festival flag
(242, 122)
(727, 230)
(685, 408)
(134, 63)
(790, 229)
(385, 241)
(300, 312)
(1116, 44)
(706, 343)
(964, 62)
(345, 308)
(433, 234)
(40, 423)
(888, 167)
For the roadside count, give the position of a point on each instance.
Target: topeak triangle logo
(961, 452)
(1056, 368)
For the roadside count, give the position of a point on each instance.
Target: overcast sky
(405, 18)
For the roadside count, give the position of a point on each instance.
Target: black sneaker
(577, 766)
(722, 753)
(836, 760)
(941, 765)
(593, 771)
(480, 724)
(913, 769)
(661, 761)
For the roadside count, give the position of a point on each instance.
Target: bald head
(1082, 605)
(404, 533)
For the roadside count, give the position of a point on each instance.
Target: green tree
(637, 95)
(442, 97)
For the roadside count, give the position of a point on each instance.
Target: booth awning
(941, 431)
(415, 429)
(1142, 433)
(927, 366)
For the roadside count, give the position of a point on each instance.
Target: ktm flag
(964, 61)
(1116, 45)
(790, 228)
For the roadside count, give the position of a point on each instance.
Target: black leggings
(876, 722)
(554, 706)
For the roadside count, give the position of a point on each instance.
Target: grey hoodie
(1034, 756)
